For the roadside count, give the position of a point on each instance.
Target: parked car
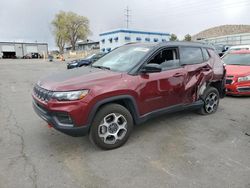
(86, 61)
(238, 72)
(32, 56)
(239, 47)
(128, 86)
(221, 49)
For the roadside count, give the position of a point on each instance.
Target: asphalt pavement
(183, 149)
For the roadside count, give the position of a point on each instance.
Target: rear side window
(205, 54)
(166, 58)
(191, 55)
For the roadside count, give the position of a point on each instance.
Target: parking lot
(176, 150)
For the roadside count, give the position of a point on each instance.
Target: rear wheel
(111, 127)
(211, 99)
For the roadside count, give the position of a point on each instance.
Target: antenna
(127, 16)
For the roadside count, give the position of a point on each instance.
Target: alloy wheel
(112, 128)
(211, 102)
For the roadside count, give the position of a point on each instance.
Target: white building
(84, 45)
(115, 38)
(21, 49)
(235, 39)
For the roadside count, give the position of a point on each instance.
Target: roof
(85, 42)
(173, 43)
(34, 43)
(239, 47)
(133, 31)
(185, 43)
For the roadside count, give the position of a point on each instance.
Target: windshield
(122, 59)
(237, 59)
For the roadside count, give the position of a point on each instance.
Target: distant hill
(222, 30)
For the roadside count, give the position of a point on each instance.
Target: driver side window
(166, 58)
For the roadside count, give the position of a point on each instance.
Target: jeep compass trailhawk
(127, 87)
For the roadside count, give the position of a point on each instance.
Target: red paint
(236, 71)
(151, 91)
(50, 126)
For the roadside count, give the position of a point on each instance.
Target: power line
(127, 16)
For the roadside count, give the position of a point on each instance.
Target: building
(85, 46)
(115, 38)
(21, 50)
(236, 39)
(225, 34)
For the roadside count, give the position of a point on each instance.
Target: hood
(237, 70)
(77, 79)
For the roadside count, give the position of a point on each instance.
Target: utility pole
(127, 16)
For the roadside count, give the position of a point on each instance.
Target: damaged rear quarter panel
(198, 75)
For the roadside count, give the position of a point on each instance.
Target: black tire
(207, 96)
(108, 112)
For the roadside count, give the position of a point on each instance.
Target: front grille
(230, 76)
(243, 89)
(228, 81)
(42, 94)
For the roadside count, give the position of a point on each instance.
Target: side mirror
(151, 68)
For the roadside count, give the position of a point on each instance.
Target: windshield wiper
(101, 67)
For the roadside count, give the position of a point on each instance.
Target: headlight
(70, 95)
(73, 64)
(245, 78)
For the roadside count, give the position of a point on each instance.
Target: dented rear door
(198, 72)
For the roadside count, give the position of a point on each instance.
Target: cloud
(30, 20)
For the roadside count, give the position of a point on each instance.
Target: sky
(30, 20)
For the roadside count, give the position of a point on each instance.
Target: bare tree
(68, 27)
(60, 30)
(77, 27)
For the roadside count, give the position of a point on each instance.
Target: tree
(60, 30)
(187, 37)
(70, 27)
(77, 28)
(173, 37)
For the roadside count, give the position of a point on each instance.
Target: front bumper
(237, 88)
(69, 66)
(52, 120)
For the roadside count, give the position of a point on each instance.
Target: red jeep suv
(128, 86)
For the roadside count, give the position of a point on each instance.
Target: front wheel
(111, 127)
(211, 99)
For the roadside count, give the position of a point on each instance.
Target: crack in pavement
(11, 119)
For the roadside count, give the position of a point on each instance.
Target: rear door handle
(205, 68)
(178, 75)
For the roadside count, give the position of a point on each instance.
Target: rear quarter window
(191, 55)
(205, 54)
